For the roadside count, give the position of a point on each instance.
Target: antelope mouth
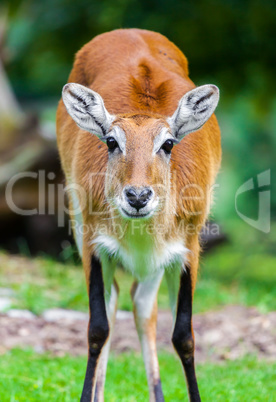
(135, 216)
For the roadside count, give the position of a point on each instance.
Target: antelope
(140, 148)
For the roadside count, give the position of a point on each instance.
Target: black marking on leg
(182, 335)
(158, 393)
(98, 328)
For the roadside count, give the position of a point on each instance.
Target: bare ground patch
(226, 334)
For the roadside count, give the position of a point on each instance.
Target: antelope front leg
(98, 329)
(111, 308)
(182, 338)
(144, 296)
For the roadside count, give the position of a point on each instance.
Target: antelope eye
(111, 143)
(167, 146)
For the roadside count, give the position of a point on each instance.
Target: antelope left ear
(86, 107)
(194, 109)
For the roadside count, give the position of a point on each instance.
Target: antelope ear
(194, 109)
(86, 107)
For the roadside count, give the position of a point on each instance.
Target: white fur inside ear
(194, 109)
(86, 107)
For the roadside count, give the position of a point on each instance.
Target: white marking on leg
(173, 282)
(111, 307)
(111, 295)
(145, 295)
(144, 300)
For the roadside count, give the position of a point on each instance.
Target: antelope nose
(138, 198)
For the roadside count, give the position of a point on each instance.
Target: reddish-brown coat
(140, 72)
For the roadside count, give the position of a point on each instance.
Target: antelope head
(139, 146)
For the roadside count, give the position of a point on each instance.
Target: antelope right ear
(194, 109)
(86, 107)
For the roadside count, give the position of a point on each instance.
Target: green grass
(43, 283)
(239, 272)
(27, 376)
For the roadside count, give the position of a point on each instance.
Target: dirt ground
(227, 334)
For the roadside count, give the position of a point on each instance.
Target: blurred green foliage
(248, 148)
(230, 43)
(241, 272)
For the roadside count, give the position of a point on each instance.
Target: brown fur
(141, 76)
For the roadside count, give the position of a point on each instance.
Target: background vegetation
(229, 43)
(240, 272)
